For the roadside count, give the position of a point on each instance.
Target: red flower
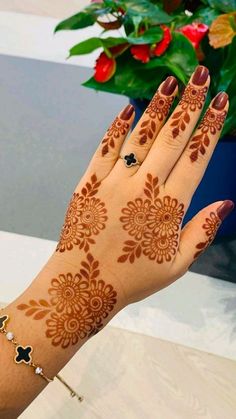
(141, 52)
(105, 68)
(162, 46)
(194, 32)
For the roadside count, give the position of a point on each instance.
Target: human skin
(122, 239)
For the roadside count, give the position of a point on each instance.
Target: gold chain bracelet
(23, 354)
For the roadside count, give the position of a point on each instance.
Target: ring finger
(146, 130)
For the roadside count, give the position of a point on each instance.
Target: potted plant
(143, 41)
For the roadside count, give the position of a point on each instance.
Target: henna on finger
(211, 123)
(211, 225)
(76, 306)
(85, 218)
(193, 99)
(153, 223)
(157, 110)
(118, 128)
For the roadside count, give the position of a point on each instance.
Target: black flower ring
(130, 160)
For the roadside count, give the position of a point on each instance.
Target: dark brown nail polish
(169, 86)
(127, 112)
(225, 209)
(220, 101)
(200, 75)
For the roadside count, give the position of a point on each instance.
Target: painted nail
(127, 112)
(169, 86)
(200, 75)
(225, 209)
(220, 101)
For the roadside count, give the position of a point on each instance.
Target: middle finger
(175, 134)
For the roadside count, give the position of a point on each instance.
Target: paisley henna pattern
(118, 128)
(153, 223)
(210, 124)
(157, 110)
(210, 226)
(85, 218)
(76, 306)
(192, 99)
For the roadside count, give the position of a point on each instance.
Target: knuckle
(170, 142)
(140, 143)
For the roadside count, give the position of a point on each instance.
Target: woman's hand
(122, 238)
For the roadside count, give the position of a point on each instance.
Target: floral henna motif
(77, 305)
(158, 109)
(135, 217)
(85, 218)
(160, 247)
(118, 128)
(165, 215)
(211, 123)
(210, 226)
(153, 223)
(192, 99)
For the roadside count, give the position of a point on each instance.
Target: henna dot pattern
(76, 307)
(210, 124)
(85, 218)
(157, 110)
(211, 225)
(153, 223)
(192, 99)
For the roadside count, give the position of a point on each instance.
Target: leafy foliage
(138, 65)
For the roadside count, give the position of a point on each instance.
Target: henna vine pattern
(77, 305)
(118, 128)
(192, 99)
(85, 218)
(210, 226)
(153, 223)
(211, 123)
(158, 109)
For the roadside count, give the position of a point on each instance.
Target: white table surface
(196, 311)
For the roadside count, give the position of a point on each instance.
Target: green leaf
(205, 15)
(150, 36)
(224, 6)
(130, 79)
(180, 58)
(91, 44)
(147, 10)
(86, 17)
(228, 70)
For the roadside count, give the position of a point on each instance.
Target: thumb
(199, 233)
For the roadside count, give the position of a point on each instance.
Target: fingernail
(127, 112)
(225, 209)
(220, 101)
(169, 86)
(200, 75)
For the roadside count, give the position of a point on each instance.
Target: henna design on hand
(211, 123)
(85, 218)
(153, 223)
(193, 98)
(210, 226)
(157, 109)
(77, 305)
(119, 127)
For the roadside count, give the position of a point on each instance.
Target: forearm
(56, 315)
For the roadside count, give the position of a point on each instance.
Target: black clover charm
(3, 320)
(23, 354)
(130, 160)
